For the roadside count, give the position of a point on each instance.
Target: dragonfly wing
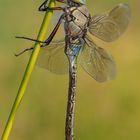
(109, 26)
(97, 62)
(53, 58)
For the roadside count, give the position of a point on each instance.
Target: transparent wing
(109, 26)
(56, 17)
(53, 58)
(97, 62)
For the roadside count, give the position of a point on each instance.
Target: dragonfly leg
(43, 4)
(27, 38)
(62, 1)
(49, 39)
(26, 50)
(43, 7)
(44, 43)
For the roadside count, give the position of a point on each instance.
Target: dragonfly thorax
(76, 21)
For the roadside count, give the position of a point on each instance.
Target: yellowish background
(107, 111)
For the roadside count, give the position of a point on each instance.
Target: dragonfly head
(79, 1)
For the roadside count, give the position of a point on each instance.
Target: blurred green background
(107, 111)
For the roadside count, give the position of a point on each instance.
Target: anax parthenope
(79, 27)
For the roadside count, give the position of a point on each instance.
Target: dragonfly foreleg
(44, 7)
(43, 4)
(62, 1)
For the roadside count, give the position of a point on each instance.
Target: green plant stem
(28, 72)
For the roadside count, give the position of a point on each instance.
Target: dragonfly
(60, 57)
(79, 28)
